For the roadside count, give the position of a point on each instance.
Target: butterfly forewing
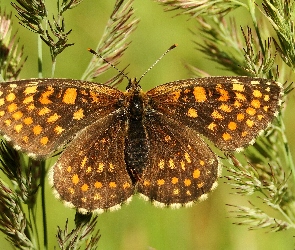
(91, 173)
(39, 115)
(230, 111)
(181, 167)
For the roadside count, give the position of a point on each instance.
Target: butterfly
(121, 143)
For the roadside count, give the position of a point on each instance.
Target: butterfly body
(136, 145)
(119, 143)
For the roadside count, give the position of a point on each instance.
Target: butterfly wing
(230, 111)
(91, 172)
(40, 115)
(181, 167)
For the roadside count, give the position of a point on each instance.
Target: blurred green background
(140, 225)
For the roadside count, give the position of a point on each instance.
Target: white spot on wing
(189, 204)
(50, 176)
(17, 147)
(83, 210)
(114, 208)
(144, 197)
(7, 138)
(203, 197)
(97, 211)
(159, 204)
(175, 205)
(32, 155)
(214, 186)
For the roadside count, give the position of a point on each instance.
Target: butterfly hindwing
(230, 111)
(40, 115)
(91, 171)
(181, 167)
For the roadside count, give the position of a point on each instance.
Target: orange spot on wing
(75, 179)
(146, 183)
(71, 190)
(200, 94)
(226, 136)
(28, 99)
(250, 111)
(78, 115)
(174, 180)
(94, 97)
(44, 140)
(12, 107)
(10, 97)
(84, 162)
(175, 96)
(256, 104)
(160, 182)
(196, 173)
(257, 93)
(26, 139)
(44, 99)
(31, 107)
(249, 123)
(53, 118)
(8, 122)
(58, 130)
(37, 130)
(187, 182)
(266, 98)
(192, 113)
(30, 90)
(238, 87)
(70, 96)
(187, 157)
(212, 126)
(223, 95)
(216, 115)
(225, 108)
(232, 126)
(98, 184)
(240, 117)
(44, 111)
(18, 127)
(176, 191)
(112, 184)
(28, 120)
(240, 96)
(100, 167)
(126, 185)
(84, 188)
(17, 115)
(161, 164)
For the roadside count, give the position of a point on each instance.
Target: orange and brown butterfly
(120, 143)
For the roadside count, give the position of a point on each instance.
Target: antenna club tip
(173, 46)
(91, 51)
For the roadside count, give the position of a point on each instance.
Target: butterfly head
(133, 85)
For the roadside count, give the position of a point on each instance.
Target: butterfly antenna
(98, 55)
(171, 48)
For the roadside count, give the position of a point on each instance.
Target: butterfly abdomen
(136, 149)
